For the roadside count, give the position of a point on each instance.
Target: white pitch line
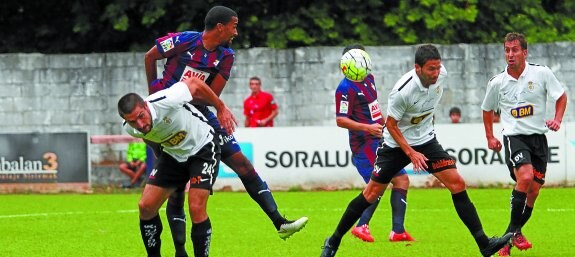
(27, 215)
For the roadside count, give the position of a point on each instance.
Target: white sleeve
(491, 100)
(554, 88)
(395, 105)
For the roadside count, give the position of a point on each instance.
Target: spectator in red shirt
(260, 107)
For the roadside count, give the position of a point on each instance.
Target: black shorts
(527, 149)
(200, 169)
(390, 161)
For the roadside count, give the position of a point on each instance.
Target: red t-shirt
(258, 107)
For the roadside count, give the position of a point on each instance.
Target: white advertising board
(320, 157)
(285, 157)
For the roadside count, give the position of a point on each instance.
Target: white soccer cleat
(291, 227)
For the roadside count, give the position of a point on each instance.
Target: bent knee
(371, 196)
(373, 191)
(457, 185)
(401, 181)
(198, 213)
(147, 210)
(524, 177)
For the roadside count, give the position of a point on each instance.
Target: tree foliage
(84, 26)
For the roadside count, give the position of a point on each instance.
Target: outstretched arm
(492, 142)
(199, 89)
(417, 158)
(217, 86)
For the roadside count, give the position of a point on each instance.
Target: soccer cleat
(521, 242)
(290, 227)
(362, 232)
(328, 250)
(496, 243)
(505, 251)
(398, 237)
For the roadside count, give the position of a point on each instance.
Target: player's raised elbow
(152, 55)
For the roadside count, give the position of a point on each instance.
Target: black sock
(201, 237)
(467, 213)
(260, 192)
(354, 210)
(177, 220)
(368, 213)
(398, 200)
(151, 231)
(518, 200)
(526, 215)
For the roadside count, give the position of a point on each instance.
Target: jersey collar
(418, 82)
(523, 74)
(153, 112)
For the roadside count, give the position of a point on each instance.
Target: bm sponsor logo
(522, 111)
(176, 139)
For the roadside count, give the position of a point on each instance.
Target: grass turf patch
(107, 224)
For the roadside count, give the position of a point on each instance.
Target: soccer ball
(355, 65)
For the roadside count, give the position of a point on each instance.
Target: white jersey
(523, 101)
(178, 126)
(413, 106)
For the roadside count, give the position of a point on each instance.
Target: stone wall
(79, 92)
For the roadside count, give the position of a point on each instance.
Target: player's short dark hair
(128, 102)
(455, 110)
(425, 53)
(218, 14)
(353, 46)
(516, 36)
(256, 78)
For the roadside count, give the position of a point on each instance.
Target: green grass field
(107, 225)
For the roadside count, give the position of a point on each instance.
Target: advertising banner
(320, 157)
(44, 162)
(295, 156)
